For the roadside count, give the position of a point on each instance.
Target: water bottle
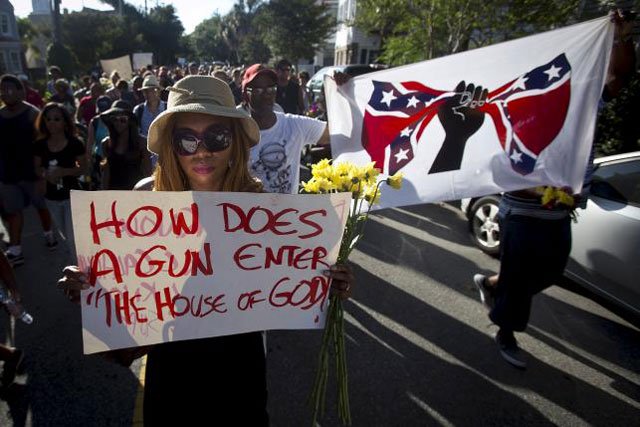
(13, 308)
(53, 165)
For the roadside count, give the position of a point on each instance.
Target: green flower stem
(333, 335)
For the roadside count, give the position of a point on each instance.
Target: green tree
(94, 36)
(240, 27)
(253, 49)
(207, 41)
(617, 129)
(416, 30)
(28, 34)
(162, 33)
(60, 55)
(295, 29)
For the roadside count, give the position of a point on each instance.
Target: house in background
(353, 46)
(10, 50)
(325, 54)
(41, 18)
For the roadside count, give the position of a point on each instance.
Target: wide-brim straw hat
(200, 94)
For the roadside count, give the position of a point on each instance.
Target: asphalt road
(420, 346)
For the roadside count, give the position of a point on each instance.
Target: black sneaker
(486, 293)
(51, 242)
(509, 350)
(14, 260)
(11, 366)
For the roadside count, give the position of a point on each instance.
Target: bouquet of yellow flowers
(364, 184)
(553, 198)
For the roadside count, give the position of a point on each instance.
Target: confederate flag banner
(505, 117)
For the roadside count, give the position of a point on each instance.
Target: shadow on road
(410, 360)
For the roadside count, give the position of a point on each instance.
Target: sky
(190, 12)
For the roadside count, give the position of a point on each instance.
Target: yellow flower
(311, 186)
(325, 186)
(372, 195)
(565, 198)
(368, 173)
(395, 181)
(322, 169)
(548, 196)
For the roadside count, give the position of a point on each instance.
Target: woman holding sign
(203, 144)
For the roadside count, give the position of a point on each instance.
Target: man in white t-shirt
(276, 159)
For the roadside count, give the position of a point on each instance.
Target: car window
(618, 181)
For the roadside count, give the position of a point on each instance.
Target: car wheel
(483, 224)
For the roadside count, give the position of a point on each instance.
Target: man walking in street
(289, 96)
(149, 110)
(17, 175)
(276, 159)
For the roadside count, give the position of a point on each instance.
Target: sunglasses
(260, 90)
(214, 138)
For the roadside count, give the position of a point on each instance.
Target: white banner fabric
(509, 116)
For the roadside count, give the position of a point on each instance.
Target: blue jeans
(533, 255)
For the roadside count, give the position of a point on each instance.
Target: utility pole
(57, 36)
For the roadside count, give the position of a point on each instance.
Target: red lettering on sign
(239, 256)
(163, 300)
(197, 262)
(154, 263)
(180, 305)
(248, 299)
(180, 224)
(304, 218)
(304, 295)
(185, 266)
(257, 220)
(247, 257)
(96, 271)
(113, 222)
(158, 221)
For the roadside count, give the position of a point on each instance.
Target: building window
(3, 63)
(363, 56)
(15, 62)
(4, 23)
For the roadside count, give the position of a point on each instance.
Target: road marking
(138, 419)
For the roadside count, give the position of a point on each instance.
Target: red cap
(254, 71)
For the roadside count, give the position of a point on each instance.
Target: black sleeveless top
(16, 148)
(125, 170)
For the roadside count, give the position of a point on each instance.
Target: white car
(605, 252)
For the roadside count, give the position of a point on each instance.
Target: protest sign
(122, 65)
(509, 116)
(141, 60)
(171, 266)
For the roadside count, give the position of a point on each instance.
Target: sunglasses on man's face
(214, 138)
(261, 90)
